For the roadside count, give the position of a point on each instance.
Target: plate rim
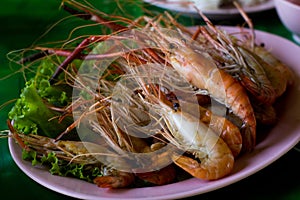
(23, 165)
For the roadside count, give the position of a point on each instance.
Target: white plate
(284, 136)
(223, 13)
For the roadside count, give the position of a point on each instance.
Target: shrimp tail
(204, 170)
(121, 180)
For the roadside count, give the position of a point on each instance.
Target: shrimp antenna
(248, 21)
(80, 14)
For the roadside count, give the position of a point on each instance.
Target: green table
(23, 21)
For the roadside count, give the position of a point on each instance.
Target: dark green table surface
(22, 21)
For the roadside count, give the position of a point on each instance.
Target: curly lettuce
(31, 112)
(61, 167)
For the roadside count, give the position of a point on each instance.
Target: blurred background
(22, 22)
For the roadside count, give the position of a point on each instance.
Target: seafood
(219, 85)
(278, 73)
(241, 63)
(89, 153)
(228, 131)
(163, 115)
(119, 179)
(114, 179)
(265, 115)
(75, 151)
(193, 136)
(239, 108)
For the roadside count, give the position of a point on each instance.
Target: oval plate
(284, 136)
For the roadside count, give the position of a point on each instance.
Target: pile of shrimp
(162, 97)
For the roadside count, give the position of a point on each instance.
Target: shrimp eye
(172, 46)
(183, 40)
(176, 106)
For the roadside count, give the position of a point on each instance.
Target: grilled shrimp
(229, 132)
(265, 115)
(114, 179)
(240, 62)
(251, 73)
(119, 179)
(208, 143)
(201, 72)
(192, 136)
(188, 134)
(278, 73)
(196, 138)
(255, 78)
(195, 66)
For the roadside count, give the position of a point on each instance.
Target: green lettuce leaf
(62, 167)
(31, 113)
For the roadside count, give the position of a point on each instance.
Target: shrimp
(191, 135)
(111, 177)
(255, 78)
(187, 133)
(119, 179)
(279, 74)
(114, 179)
(265, 115)
(200, 71)
(195, 137)
(242, 63)
(197, 67)
(228, 131)
(79, 152)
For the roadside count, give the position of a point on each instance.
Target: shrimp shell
(278, 73)
(201, 72)
(229, 132)
(195, 137)
(115, 179)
